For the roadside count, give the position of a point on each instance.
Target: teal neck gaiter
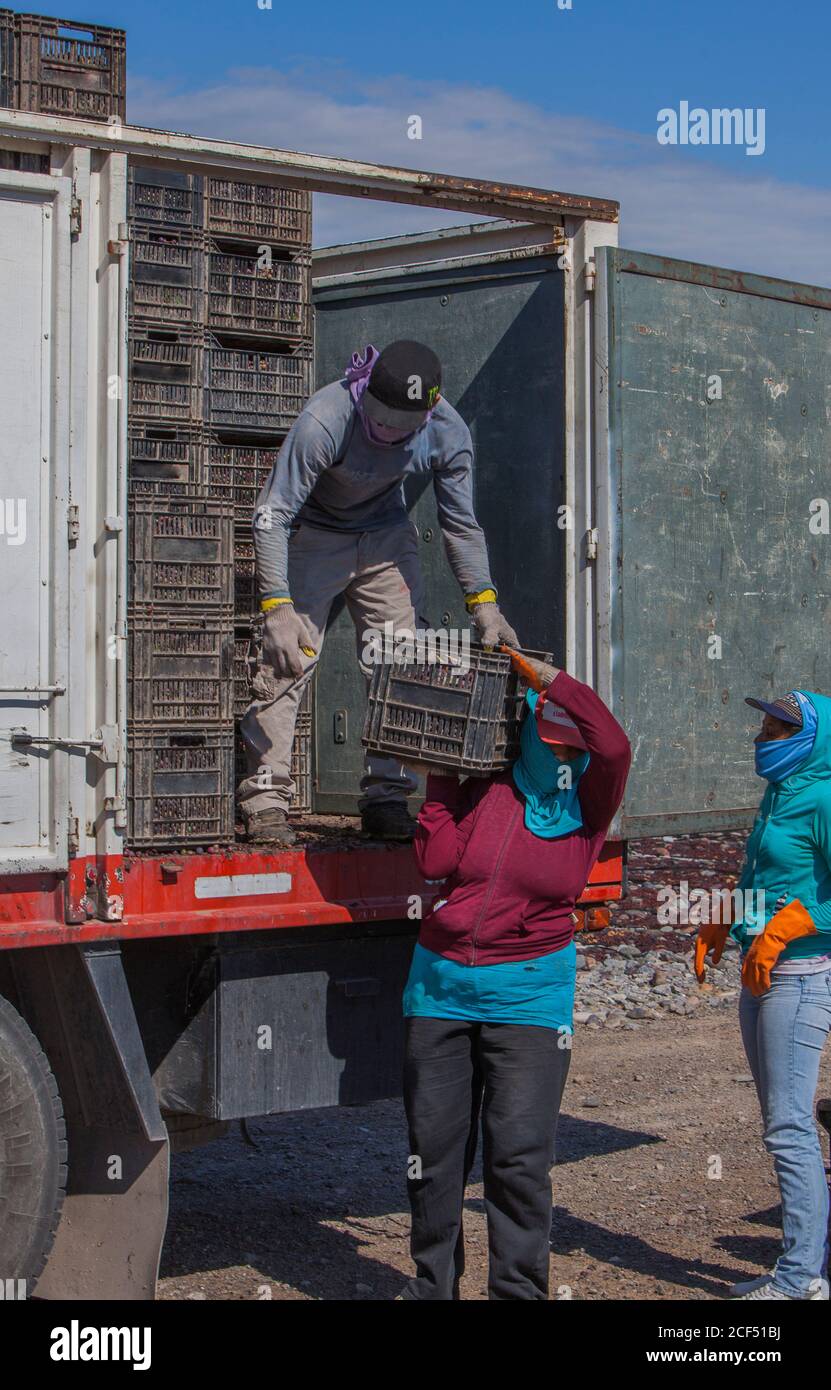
(551, 810)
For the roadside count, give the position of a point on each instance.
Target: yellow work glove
(490, 624)
(787, 925)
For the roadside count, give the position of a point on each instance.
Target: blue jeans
(784, 1032)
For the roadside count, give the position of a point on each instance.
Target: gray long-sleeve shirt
(329, 474)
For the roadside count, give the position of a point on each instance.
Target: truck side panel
(62, 515)
(714, 436)
(34, 495)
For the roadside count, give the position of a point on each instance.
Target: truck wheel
(32, 1150)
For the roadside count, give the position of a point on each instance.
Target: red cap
(555, 726)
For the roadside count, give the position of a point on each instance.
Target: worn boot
(388, 820)
(268, 827)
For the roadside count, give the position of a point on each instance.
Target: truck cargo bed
(333, 875)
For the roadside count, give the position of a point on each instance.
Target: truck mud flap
(237, 1027)
(110, 1236)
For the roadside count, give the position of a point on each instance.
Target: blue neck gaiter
(777, 758)
(550, 810)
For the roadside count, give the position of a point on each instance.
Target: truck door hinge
(118, 246)
(590, 275)
(75, 217)
(591, 545)
(73, 523)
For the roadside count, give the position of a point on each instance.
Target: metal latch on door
(57, 689)
(103, 741)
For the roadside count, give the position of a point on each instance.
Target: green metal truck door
(714, 434)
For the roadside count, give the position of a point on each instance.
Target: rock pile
(630, 987)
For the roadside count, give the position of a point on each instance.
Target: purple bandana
(359, 371)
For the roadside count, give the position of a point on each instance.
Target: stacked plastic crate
(220, 353)
(181, 612)
(61, 68)
(258, 375)
(220, 365)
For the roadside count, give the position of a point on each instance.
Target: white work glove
(492, 627)
(286, 639)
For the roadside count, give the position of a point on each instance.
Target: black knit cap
(405, 384)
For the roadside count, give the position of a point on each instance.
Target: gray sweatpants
(379, 575)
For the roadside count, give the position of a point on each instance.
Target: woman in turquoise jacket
(784, 931)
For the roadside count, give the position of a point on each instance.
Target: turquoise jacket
(789, 849)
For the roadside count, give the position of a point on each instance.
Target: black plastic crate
(236, 473)
(247, 209)
(246, 650)
(164, 198)
(180, 786)
(166, 270)
(245, 580)
(8, 65)
(254, 388)
(180, 552)
(165, 376)
(64, 68)
(171, 458)
(246, 296)
(466, 717)
(179, 667)
(301, 756)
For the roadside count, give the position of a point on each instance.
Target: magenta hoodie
(509, 893)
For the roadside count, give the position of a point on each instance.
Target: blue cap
(785, 708)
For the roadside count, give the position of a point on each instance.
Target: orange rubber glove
(712, 936)
(787, 925)
(537, 674)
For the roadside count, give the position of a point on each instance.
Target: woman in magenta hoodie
(490, 996)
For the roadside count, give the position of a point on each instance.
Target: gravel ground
(662, 1189)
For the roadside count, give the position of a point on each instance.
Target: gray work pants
(379, 575)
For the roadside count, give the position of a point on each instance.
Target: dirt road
(651, 1118)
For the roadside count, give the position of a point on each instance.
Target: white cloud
(674, 202)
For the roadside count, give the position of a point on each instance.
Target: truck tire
(33, 1150)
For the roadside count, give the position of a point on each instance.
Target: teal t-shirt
(539, 992)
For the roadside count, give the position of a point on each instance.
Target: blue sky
(521, 91)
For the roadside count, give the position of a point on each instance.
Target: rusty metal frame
(318, 173)
(717, 278)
